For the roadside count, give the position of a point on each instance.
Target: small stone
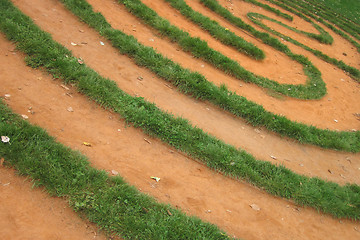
(336, 120)
(7, 96)
(70, 109)
(113, 172)
(255, 207)
(24, 116)
(208, 211)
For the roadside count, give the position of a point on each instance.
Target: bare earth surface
(184, 183)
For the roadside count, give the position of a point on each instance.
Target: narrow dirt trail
(27, 213)
(303, 159)
(184, 183)
(343, 96)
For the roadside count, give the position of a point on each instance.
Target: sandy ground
(184, 182)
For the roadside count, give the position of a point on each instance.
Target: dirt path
(303, 159)
(27, 213)
(184, 183)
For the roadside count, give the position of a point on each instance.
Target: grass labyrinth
(222, 84)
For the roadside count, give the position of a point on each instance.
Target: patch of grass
(313, 89)
(196, 85)
(110, 202)
(347, 7)
(354, 73)
(339, 201)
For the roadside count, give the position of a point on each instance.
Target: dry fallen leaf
(24, 116)
(74, 44)
(87, 144)
(273, 157)
(147, 141)
(70, 109)
(157, 179)
(255, 207)
(102, 43)
(114, 172)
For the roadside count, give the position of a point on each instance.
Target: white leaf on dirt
(336, 120)
(151, 40)
(119, 130)
(113, 172)
(7, 96)
(255, 207)
(273, 157)
(70, 109)
(5, 139)
(208, 211)
(202, 65)
(74, 44)
(24, 116)
(157, 179)
(102, 43)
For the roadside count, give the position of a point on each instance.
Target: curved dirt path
(343, 96)
(304, 159)
(184, 183)
(27, 213)
(335, 50)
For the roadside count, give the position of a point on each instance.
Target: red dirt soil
(184, 182)
(27, 213)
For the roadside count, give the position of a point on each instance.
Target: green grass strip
(217, 31)
(270, 9)
(285, 5)
(313, 89)
(196, 85)
(355, 73)
(110, 202)
(339, 201)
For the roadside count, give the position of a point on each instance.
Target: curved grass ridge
(354, 73)
(308, 9)
(224, 35)
(110, 202)
(271, 9)
(322, 37)
(42, 51)
(196, 85)
(313, 89)
(336, 30)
